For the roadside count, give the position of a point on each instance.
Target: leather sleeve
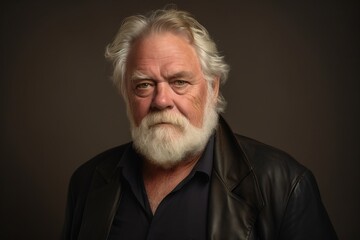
(68, 216)
(305, 216)
(74, 208)
(79, 188)
(76, 197)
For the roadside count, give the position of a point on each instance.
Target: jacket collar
(235, 197)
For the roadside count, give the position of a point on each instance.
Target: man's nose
(162, 98)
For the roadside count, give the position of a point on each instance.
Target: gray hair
(167, 20)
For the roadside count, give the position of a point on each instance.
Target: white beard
(166, 145)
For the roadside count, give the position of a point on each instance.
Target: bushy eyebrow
(138, 75)
(181, 75)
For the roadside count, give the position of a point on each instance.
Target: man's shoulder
(266, 160)
(262, 159)
(276, 173)
(109, 159)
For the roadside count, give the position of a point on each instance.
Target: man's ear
(216, 88)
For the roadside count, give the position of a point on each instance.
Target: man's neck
(159, 182)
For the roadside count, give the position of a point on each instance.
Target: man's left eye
(180, 83)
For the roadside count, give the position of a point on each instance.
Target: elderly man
(186, 175)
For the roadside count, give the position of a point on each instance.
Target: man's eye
(143, 89)
(180, 83)
(143, 85)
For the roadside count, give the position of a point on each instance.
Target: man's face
(164, 73)
(171, 111)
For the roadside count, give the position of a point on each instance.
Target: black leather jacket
(257, 192)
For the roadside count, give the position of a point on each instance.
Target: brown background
(294, 84)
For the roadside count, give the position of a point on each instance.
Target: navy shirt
(181, 215)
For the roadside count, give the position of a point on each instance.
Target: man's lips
(163, 123)
(159, 124)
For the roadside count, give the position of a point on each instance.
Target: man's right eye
(144, 89)
(143, 85)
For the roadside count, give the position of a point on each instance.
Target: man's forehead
(166, 55)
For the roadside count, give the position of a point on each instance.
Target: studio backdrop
(293, 84)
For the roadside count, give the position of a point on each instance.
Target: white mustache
(165, 118)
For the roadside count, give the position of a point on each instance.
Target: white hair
(167, 20)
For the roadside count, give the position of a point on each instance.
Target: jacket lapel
(101, 203)
(235, 198)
